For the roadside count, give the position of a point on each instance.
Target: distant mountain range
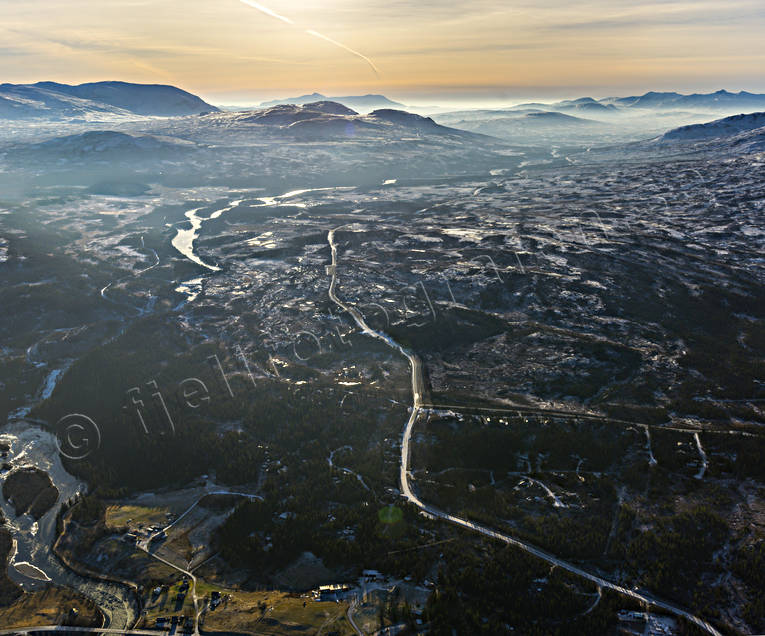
(515, 113)
(718, 100)
(96, 100)
(583, 105)
(103, 100)
(330, 120)
(515, 123)
(360, 103)
(319, 121)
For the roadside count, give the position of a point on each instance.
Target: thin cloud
(311, 32)
(266, 10)
(134, 50)
(316, 34)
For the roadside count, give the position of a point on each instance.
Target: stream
(33, 564)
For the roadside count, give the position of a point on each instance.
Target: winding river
(185, 238)
(33, 564)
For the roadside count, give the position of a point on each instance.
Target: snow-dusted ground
(550, 277)
(719, 128)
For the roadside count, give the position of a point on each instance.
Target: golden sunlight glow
(239, 48)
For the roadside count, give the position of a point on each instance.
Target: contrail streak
(267, 11)
(345, 48)
(316, 34)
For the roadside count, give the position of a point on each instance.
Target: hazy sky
(228, 51)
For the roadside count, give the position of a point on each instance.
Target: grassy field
(49, 607)
(284, 613)
(115, 557)
(189, 539)
(180, 545)
(119, 516)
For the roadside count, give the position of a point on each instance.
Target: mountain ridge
(368, 102)
(96, 99)
(716, 99)
(725, 127)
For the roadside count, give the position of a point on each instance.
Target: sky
(429, 51)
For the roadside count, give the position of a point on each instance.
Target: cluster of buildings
(641, 623)
(181, 623)
(334, 592)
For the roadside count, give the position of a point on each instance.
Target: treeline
(551, 443)
(743, 457)
(500, 590)
(580, 537)
(672, 557)
(713, 347)
(31, 491)
(152, 437)
(348, 538)
(749, 566)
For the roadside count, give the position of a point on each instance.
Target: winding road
(349, 614)
(346, 471)
(187, 573)
(406, 490)
(146, 545)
